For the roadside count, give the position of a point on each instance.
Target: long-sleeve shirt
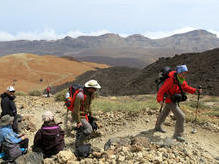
(171, 87)
(7, 134)
(8, 106)
(81, 106)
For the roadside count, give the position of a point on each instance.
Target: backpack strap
(178, 83)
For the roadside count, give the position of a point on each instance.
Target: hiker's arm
(13, 108)
(164, 88)
(187, 88)
(12, 138)
(77, 106)
(89, 110)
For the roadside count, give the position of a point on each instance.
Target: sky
(55, 19)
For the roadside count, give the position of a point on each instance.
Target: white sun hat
(92, 84)
(47, 116)
(11, 89)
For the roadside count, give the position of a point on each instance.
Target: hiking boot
(159, 130)
(180, 139)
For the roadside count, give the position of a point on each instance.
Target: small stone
(121, 158)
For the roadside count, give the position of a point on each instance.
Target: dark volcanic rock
(203, 70)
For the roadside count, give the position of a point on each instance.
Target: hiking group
(49, 139)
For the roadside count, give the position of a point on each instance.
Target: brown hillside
(26, 70)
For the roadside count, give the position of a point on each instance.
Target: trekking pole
(161, 107)
(196, 112)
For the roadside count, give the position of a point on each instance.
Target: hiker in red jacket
(48, 90)
(174, 87)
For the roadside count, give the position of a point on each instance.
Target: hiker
(174, 87)
(82, 111)
(49, 139)
(48, 90)
(8, 106)
(10, 141)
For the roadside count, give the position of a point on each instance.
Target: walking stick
(196, 112)
(161, 107)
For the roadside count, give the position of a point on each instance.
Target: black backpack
(83, 151)
(163, 75)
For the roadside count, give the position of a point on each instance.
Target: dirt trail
(208, 140)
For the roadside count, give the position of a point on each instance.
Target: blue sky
(52, 19)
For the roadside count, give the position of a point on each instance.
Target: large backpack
(11, 150)
(71, 95)
(163, 75)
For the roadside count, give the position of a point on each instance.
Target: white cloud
(50, 34)
(159, 34)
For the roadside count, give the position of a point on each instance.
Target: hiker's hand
(23, 137)
(79, 125)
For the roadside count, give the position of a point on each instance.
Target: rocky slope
(203, 70)
(123, 137)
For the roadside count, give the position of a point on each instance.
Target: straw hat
(92, 84)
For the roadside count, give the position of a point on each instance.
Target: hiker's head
(11, 90)
(181, 71)
(92, 86)
(6, 120)
(48, 116)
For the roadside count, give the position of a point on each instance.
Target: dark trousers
(24, 143)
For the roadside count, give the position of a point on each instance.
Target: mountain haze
(109, 48)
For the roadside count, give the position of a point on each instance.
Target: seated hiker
(11, 142)
(50, 137)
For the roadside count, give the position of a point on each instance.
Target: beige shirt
(79, 102)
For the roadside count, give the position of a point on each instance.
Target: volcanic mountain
(29, 72)
(133, 51)
(203, 70)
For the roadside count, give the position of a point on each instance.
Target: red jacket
(171, 87)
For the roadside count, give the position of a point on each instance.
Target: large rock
(65, 156)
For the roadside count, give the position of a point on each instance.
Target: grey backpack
(11, 150)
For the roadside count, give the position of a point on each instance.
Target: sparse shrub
(60, 96)
(35, 93)
(20, 93)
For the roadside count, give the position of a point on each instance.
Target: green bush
(60, 96)
(35, 93)
(20, 93)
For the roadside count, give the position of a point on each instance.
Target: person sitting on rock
(50, 137)
(174, 87)
(11, 142)
(8, 106)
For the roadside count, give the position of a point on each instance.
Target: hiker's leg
(162, 116)
(24, 143)
(83, 132)
(87, 128)
(180, 117)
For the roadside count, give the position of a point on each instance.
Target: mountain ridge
(136, 47)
